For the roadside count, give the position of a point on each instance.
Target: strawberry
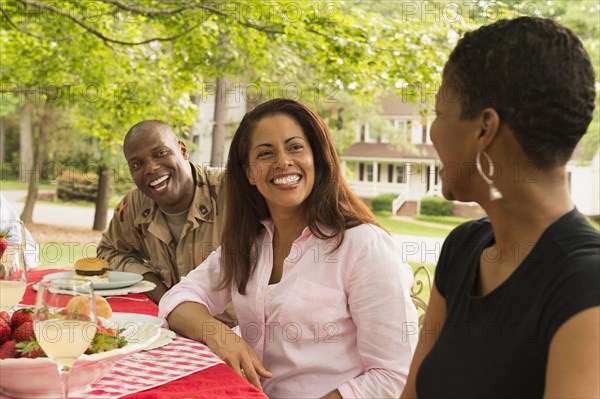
(21, 316)
(8, 350)
(4, 315)
(5, 331)
(30, 349)
(3, 243)
(24, 332)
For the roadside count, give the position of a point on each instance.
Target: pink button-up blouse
(337, 320)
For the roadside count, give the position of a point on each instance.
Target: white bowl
(38, 378)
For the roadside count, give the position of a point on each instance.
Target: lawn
(63, 255)
(19, 185)
(407, 228)
(446, 220)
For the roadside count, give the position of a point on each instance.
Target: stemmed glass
(13, 272)
(64, 322)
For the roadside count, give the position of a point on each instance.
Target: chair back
(420, 291)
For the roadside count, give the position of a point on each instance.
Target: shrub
(436, 206)
(383, 202)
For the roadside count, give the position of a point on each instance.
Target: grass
(446, 220)
(408, 228)
(19, 185)
(114, 201)
(594, 224)
(58, 255)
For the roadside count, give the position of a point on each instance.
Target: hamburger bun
(93, 269)
(81, 304)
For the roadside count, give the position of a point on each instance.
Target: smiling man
(171, 221)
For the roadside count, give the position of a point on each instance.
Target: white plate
(115, 279)
(136, 317)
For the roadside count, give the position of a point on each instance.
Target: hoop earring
(495, 194)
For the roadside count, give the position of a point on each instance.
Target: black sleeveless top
(496, 346)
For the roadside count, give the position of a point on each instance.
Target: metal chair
(418, 293)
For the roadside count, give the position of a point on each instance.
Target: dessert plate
(115, 279)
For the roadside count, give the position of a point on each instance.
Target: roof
(395, 106)
(390, 151)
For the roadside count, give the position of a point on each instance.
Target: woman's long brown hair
(331, 202)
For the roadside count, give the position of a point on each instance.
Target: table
(218, 381)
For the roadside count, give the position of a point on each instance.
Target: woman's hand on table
(193, 320)
(238, 355)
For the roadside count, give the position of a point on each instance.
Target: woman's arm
(432, 326)
(378, 293)
(194, 321)
(573, 368)
(188, 307)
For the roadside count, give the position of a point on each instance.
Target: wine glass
(13, 272)
(64, 322)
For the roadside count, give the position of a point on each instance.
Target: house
(583, 174)
(407, 167)
(405, 163)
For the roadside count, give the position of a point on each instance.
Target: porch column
(344, 168)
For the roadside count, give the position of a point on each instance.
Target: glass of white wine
(13, 272)
(64, 322)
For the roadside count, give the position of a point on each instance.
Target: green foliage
(108, 64)
(436, 206)
(383, 202)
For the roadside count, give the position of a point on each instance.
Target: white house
(237, 107)
(373, 165)
(584, 181)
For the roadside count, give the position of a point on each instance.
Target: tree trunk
(32, 193)
(219, 132)
(195, 126)
(40, 153)
(2, 140)
(26, 142)
(105, 179)
(33, 187)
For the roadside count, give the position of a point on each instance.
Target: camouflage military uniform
(138, 239)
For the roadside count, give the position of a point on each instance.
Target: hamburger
(92, 269)
(81, 304)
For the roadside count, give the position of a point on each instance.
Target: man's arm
(157, 293)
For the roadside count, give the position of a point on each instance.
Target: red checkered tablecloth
(145, 370)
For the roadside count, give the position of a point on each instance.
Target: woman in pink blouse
(320, 293)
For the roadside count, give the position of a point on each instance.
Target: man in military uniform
(171, 221)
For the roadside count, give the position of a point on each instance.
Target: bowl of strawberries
(21, 357)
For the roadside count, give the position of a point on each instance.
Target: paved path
(54, 214)
(414, 248)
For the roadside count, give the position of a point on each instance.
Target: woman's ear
(250, 174)
(490, 124)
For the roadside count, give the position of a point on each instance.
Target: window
(400, 173)
(370, 172)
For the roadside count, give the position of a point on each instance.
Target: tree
(163, 51)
